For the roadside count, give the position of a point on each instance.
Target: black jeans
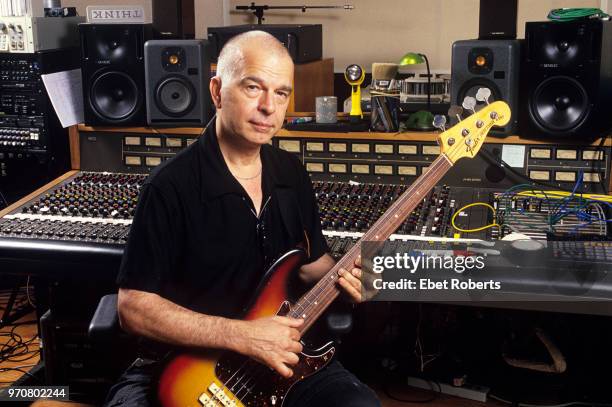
(333, 386)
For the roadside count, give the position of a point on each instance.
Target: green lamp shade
(412, 58)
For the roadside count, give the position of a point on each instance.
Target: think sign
(115, 14)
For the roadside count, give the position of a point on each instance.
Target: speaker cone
(175, 96)
(559, 104)
(114, 96)
(561, 51)
(113, 44)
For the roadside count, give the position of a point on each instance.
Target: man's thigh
(134, 387)
(333, 386)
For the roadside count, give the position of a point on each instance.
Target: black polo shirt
(195, 238)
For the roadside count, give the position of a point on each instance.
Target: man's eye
(252, 87)
(283, 94)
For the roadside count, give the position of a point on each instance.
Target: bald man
(208, 224)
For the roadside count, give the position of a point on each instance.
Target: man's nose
(267, 104)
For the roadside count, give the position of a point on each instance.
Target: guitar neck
(317, 299)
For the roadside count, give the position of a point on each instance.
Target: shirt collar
(216, 179)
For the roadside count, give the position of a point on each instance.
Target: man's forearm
(311, 273)
(154, 317)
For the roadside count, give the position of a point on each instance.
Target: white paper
(65, 89)
(514, 155)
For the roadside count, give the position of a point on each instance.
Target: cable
(558, 212)
(600, 170)
(562, 194)
(494, 224)
(571, 14)
(567, 404)
(25, 372)
(15, 347)
(5, 202)
(28, 292)
(586, 208)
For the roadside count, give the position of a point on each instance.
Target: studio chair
(104, 325)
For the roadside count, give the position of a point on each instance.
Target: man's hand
(350, 281)
(273, 341)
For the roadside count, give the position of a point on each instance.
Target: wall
(383, 30)
(375, 31)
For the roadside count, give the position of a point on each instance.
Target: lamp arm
(428, 82)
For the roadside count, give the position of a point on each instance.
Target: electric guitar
(223, 378)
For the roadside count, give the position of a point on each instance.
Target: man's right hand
(273, 341)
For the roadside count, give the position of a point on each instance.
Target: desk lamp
(423, 119)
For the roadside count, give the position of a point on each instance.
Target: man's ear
(215, 91)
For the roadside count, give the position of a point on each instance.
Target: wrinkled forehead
(274, 68)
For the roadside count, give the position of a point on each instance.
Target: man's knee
(360, 395)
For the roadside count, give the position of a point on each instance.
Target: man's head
(252, 88)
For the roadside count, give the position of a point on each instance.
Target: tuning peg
(455, 111)
(483, 95)
(439, 121)
(469, 103)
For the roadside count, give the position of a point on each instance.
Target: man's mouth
(261, 126)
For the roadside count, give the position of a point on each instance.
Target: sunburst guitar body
(219, 378)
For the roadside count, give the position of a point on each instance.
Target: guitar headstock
(466, 137)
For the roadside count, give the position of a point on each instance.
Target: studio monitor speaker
(177, 76)
(112, 64)
(567, 79)
(497, 19)
(492, 64)
(303, 41)
(174, 18)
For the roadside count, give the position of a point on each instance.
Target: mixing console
(355, 207)
(98, 207)
(90, 207)
(91, 195)
(339, 245)
(71, 230)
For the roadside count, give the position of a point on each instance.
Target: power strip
(470, 392)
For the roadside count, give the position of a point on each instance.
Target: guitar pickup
(220, 395)
(206, 401)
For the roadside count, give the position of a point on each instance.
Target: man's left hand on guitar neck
(349, 281)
